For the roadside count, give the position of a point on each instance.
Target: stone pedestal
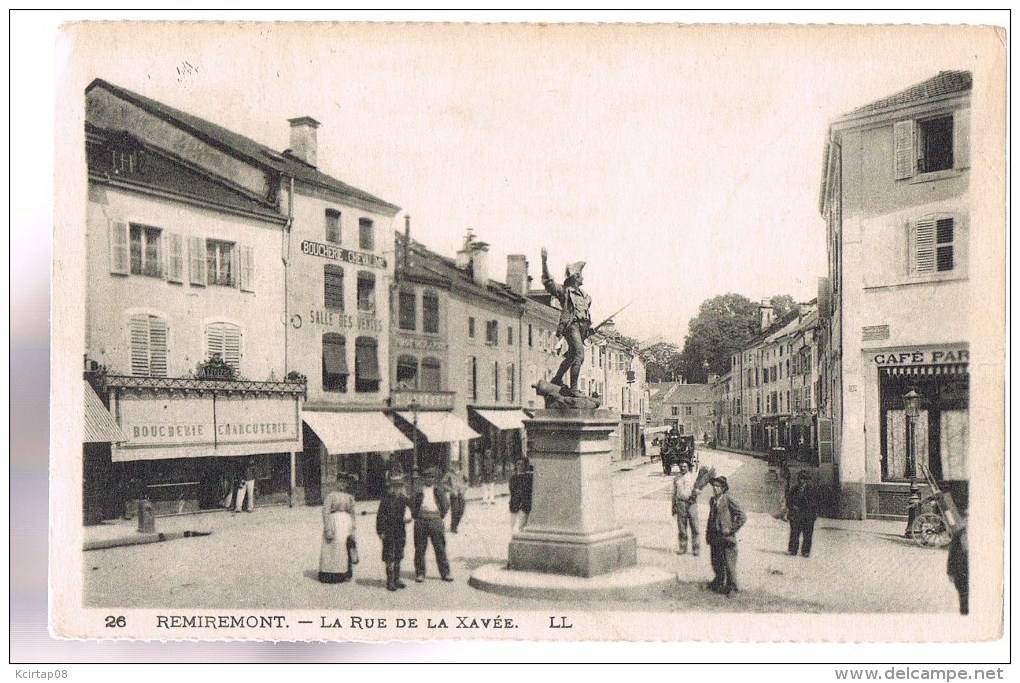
(572, 529)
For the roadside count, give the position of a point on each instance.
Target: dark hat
(721, 481)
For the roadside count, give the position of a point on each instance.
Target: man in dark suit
(429, 508)
(724, 520)
(390, 525)
(802, 507)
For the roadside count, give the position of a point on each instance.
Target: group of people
(425, 500)
(725, 518)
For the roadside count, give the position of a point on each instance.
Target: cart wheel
(929, 530)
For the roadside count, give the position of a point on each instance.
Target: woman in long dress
(338, 554)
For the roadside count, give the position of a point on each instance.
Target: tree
(783, 305)
(723, 326)
(660, 359)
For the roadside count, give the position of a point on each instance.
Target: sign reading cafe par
(922, 357)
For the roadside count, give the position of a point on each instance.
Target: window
(333, 226)
(146, 256)
(431, 379)
(933, 246)
(407, 372)
(492, 332)
(509, 336)
(531, 342)
(688, 410)
(406, 303)
(219, 260)
(149, 351)
(471, 328)
(937, 143)
(366, 365)
(366, 235)
(334, 362)
(472, 377)
(674, 411)
(366, 292)
(224, 340)
(333, 286)
(511, 382)
(495, 380)
(430, 312)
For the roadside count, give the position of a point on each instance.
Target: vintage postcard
(520, 332)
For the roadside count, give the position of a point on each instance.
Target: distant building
(895, 196)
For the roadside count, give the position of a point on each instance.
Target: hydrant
(146, 517)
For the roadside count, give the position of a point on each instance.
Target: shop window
(492, 332)
(366, 365)
(430, 312)
(366, 292)
(333, 226)
(224, 340)
(334, 362)
(933, 246)
(149, 345)
(406, 310)
(146, 252)
(366, 235)
(333, 286)
(407, 372)
(431, 374)
(219, 261)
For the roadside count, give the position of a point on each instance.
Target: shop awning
(657, 430)
(950, 369)
(100, 427)
(503, 419)
(440, 426)
(356, 432)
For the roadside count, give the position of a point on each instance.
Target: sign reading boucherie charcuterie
(335, 253)
(922, 357)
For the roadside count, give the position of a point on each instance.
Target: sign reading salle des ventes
(205, 425)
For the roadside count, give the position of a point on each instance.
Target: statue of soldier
(575, 319)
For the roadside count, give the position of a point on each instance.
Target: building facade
(896, 200)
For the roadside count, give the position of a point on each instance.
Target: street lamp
(911, 409)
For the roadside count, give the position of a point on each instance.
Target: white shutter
(174, 257)
(232, 346)
(139, 330)
(157, 347)
(247, 269)
(196, 254)
(905, 160)
(961, 139)
(120, 256)
(214, 341)
(924, 247)
(235, 266)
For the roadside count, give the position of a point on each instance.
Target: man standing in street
(246, 487)
(520, 494)
(431, 503)
(456, 484)
(685, 509)
(724, 520)
(391, 526)
(802, 508)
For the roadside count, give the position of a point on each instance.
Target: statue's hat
(575, 268)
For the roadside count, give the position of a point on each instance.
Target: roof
(688, 393)
(945, 83)
(243, 146)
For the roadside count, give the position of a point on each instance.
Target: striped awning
(100, 427)
(440, 426)
(915, 370)
(356, 432)
(503, 419)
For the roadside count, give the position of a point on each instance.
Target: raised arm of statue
(550, 285)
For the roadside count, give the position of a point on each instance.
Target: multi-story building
(185, 311)
(691, 408)
(895, 196)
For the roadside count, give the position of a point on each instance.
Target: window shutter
(139, 328)
(247, 269)
(174, 257)
(157, 347)
(961, 138)
(196, 252)
(214, 341)
(119, 254)
(235, 266)
(905, 160)
(232, 347)
(924, 247)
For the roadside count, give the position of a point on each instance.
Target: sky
(679, 162)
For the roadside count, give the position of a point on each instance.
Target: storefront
(905, 445)
(433, 432)
(502, 433)
(186, 440)
(99, 485)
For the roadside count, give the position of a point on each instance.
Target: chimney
(303, 139)
(480, 263)
(517, 274)
(765, 313)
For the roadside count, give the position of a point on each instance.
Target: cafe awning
(100, 427)
(356, 432)
(440, 426)
(503, 419)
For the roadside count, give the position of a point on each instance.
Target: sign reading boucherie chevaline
(335, 253)
(190, 426)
